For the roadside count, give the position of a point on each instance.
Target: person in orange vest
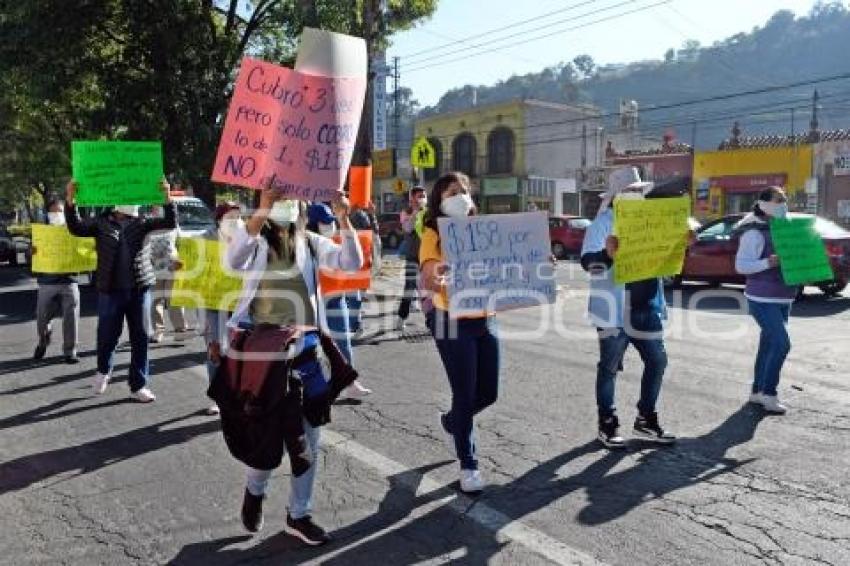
(320, 220)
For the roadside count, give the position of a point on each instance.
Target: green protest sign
(801, 251)
(117, 172)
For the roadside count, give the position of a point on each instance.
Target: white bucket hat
(622, 179)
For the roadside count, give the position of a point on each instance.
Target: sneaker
(39, 351)
(471, 481)
(756, 398)
(212, 410)
(156, 337)
(399, 325)
(72, 359)
(647, 427)
(772, 405)
(252, 511)
(356, 389)
(449, 438)
(305, 529)
(143, 395)
(608, 433)
(101, 380)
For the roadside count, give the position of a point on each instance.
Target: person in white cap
(623, 315)
(124, 278)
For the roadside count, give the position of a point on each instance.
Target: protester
(321, 220)
(623, 315)
(411, 224)
(227, 221)
(280, 260)
(58, 295)
(469, 347)
(124, 278)
(363, 219)
(768, 297)
(165, 261)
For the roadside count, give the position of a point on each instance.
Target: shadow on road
(441, 533)
(46, 413)
(731, 300)
(23, 472)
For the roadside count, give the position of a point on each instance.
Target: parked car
(389, 228)
(567, 235)
(8, 247)
(712, 257)
(193, 216)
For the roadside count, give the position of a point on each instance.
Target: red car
(712, 257)
(567, 234)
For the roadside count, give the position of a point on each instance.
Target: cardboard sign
(55, 250)
(294, 130)
(497, 262)
(336, 281)
(117, 172)
(801, 251)
(203, 282)
(653, 237)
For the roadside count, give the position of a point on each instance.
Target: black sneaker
(308, 531)
(608, 434)
(72, 359)
(646, 426)
(252, 511)
(39, 351)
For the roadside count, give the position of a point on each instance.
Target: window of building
(434, 174)
(500, 151)
(463, 154)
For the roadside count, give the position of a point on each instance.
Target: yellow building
(516, 153)
(728, 180)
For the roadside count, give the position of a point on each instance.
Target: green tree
(159, 69)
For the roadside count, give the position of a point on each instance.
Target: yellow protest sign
(202, 282)
(653, 236)
(55, 250)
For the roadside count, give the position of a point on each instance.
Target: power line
(503, 28)
(544, 36)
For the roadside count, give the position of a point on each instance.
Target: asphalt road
(99, 480)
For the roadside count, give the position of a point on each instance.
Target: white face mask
(774, 209)
(56, 218)
(229, 226)
(457, 206)
(128, 209)
(327, 230)
(284, 212)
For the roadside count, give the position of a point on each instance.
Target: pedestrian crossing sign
(422, 154)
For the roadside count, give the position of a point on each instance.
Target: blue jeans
(613, 343)
(301, 488)
(112, 309)
(470, 356)
(774, 344)
(339, 324)
(355, 304)
(214, 326)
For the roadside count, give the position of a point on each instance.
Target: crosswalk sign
(422, 154)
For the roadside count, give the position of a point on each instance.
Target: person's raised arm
(76, 225)
(169, 219)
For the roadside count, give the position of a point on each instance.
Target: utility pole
(694, 136)
(372, 18)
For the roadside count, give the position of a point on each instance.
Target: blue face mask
(781, 211)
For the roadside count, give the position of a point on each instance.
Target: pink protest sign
(297, 131)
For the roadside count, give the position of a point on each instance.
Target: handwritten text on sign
(296, 130)
(116, 172)
(55, 250)
(653, 236)
(801, 251)
(203, 282)
(497, 262)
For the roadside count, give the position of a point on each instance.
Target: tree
(159, 69)
(585, 65)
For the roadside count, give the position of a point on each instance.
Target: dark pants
(411, 280)
(470, 354)
(613, 343)
(112, 309)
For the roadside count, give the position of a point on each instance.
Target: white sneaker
(357, 389)
(757, 398)
(101, 380)
(471, 481)
(143, 395)
(213, 410)
(400, 323)
(771, 404)
(157, 337)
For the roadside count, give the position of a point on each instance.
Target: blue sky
(645, 34)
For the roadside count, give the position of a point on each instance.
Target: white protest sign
(497, 262)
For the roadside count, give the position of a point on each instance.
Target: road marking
(504, 528)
